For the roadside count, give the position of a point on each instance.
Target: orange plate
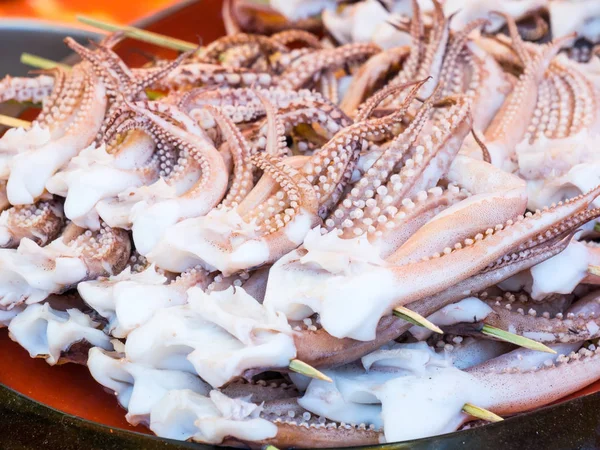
(71, 388)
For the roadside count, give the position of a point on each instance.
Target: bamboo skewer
(41, 63)
(301, 367)
(481, 413)
(521, 341)
(141, 35)
(488, 330)
(13, 122)
(416, 319)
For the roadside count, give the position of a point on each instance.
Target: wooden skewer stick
(41, 63)
(13, 122)
(594, 270)
(488, 330)
(416, 319)
(521, 341)
(481, 413)
(301, 367)
(140, 35)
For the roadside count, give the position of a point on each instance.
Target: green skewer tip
(301, 367)
(41, 63)
(416, 319)
(481, 413)
(521, 341)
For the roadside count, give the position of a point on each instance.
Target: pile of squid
(377, 20)
(283, 210)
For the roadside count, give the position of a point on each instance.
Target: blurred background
(38, 27)
(65, 10)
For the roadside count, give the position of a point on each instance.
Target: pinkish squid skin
(296, 109)
(40, 222)
(515, 382)
(265, 230)
(122, 150)
(32, 273)
(29, 170)
(513, 387)
(369, 74)
(543, 381)
(301, 73)
(75, 99)
(247, 16)
(524, 244)
(122, 84)
(23, 89)
(196, 74)
(266, 46)
(511, 123)
(282, 210)
(578, 323)
(187, 173)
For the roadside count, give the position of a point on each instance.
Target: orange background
(118, 11)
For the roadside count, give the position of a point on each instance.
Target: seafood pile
(313, 241)
(377, 20)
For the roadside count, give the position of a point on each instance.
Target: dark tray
(572, 425)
